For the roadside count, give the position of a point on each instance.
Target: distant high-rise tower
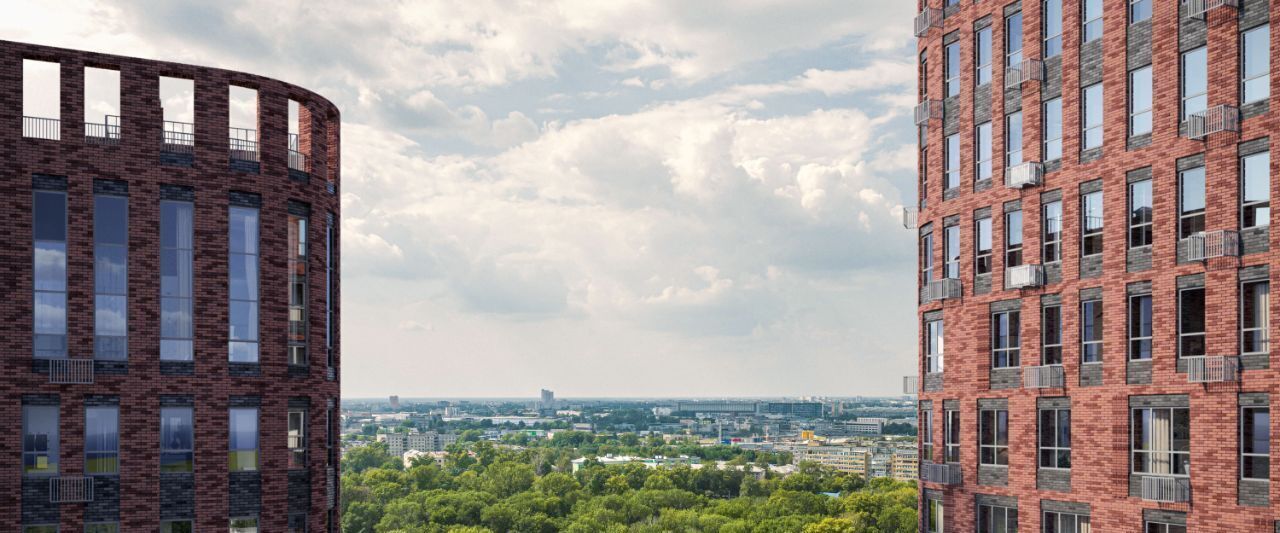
(395, 403)
(548, 402)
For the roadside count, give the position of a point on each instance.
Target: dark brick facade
(140, 496)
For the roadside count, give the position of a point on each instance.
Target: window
(1161, 527)
(297, 438)
(1140, 327)
(1255, 85)
(1255, 443)
(1092, 25)
(1013, 238)
(103, 527)
(243, 344)
(926, 434)
(982, 56)
(176, 439)
(951, 435)
(1162, 441)
(1140, 101)
(983, 250)
(1065, 523)
(1013, 39)
(1051, 328)
(177, 106)
(1255, 207)
(1191, 322)
(297, 290)
(1091, 213)
(936, 513)
(39, 439)
(40, 529)
(1195, 82)
(996, 519)
(176, 275)
(102, 440)
(1005, 340)
(41, 99)
(243, 439)
(49, 218)
(926, 257)
(1052, 28)
(1055, 438)
(101, 105)
(1140, 207)
(1255, 320)
(951, 173)
(951, 252)
(328, 290)
(176, 526)
(111, 275)
(1053, 129)
(244, 525)
(1091, 331)
(1139, 10)
(993, 431)
(983, 149)
(1190, 202)
(951, 68)
(1091, 113)
(242, 119)
(933, 346)
(1013, 139)
(1052, 238)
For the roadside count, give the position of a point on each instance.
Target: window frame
(1263, 330)
(1246, 451)
(1191, 221)
(255, 292)
(1009, 515)
(1172, 453)
(1090, 24)
(1146, 15)
(101, 294)
(935, 521)
(1052, 42)
(184, 456)
(951, 435)
(1254, 206)
(53, 443)
(1088, 128)
(1011, 349)
(926, 257)
(1091, 348)
(1051, 139)
(951, 75)
(36, 328)
(1087, 233)
(982, 70)
(1140, 226)
(1145, 115)
(982, 152)
(1051, 241)
(1013, 134)
(1047, 345)
(951, 252)
(1245, 78)
(1013, 54)
(1202, 334)
(236, 463)
(299, 290)
(983, 257)
(1060, 524)
(1012, 249)
(993, 449)
(950, 156)
(174, 347)
(926, 434)
(1184, 94)
(934, 338)
(105, 453)
(1134, 327)
(1058, 445)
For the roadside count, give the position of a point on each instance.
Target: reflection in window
(1140, 208)
(1195, 82)
(1091, 221)
(1053, 129)
(983, 149)
(1255, 85)
(1052, 28)
(297, 438)
(951, 155)
(1140, 327)
(111, 276)
(1255, 320)
(993, 435)
(1162, 441)
(1091, 331)
(951, 69)
(176, 234)
(1013, 238)
(1092, 25)
(983, 257)
(1191, 322)
(1052, 229)
(951, 435)
(1190, 202)
(1055, 438)
(1006, 341)
(1013, 39)
(1092, 116)
(102, 440)
(982, 56)
(176, 439)
(1013, 139)
(243, 259)
(1140, 101)
(39, 439)
(1255, 443)
(1255, 206)
(297, 290)
(951, 252)
(933, 348)
(50, 274)
(243, 440)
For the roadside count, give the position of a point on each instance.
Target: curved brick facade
(140, 162)
(1105, 481)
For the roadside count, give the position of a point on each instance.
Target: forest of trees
(483, 488)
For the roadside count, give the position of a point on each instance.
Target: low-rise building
(852, 459)
(429, 441)
(905, 464)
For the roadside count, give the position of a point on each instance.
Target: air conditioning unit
(1166, 489)
(1212, 368)
(1208, 245)
(1028, 70)
(928, 19)
(1216, 119)
(942, 289)
(1023, 276)
(1027, 174)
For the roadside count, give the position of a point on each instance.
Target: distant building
(547, 403)
(866, 427)
(395, 403)
(796, 409)
(905, 465)
(717, 407)
(653, 462)
(851, 459)
(429, 441)
(438, 457)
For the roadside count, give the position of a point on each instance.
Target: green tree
(373, 455)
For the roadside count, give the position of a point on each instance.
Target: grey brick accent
(926, 229)
(244, 369)
(993, 475)
(951, 115)
(1137, 287)
(1053, 273)
(299, 175)
(1052, 166)
(101, 400)
(1012, 100)
(951, 193)
(1138, 47)
(1055, 506)
(1254, 109)
(1091, 374)
(177, 401)
(1254, 399)
(1012, 8)
(1137, 174)
(952, 220)
(933, 315)
(1050, 299)
(1091, 155)
(1191, 281)
(1255, 273)
(299, 209)
(1190, 162)
(993, 403)
(1052, 85)
(1091, 293)
(982, 284)
(115, 368)
(1091, 63)
(105, 506)
(925, 405)
(1051, 196)
(299, 491)
(299, 402)
(244, 199)
(951, 405)
(1053, 479)
(1192, 32)
(1010, 502)
(1176, 518)
(1091, 266)
(36, 508)
(46, 182)
(40, 399)
(1138, 372)
(244, 491)
(1012, 205)
(1138, 259)
(982, 213)
(178, 368)
(1091, 186)
(1138, 141)
(982, 103)
(179, 193)
(1253, 146)
(949, 11)
(1254, 493)
(244, 401)
(982, 185)
(933, 494)
(110, 187)
(1006, 378)
(1255, 240)
(1006, 305)
(984, 22)
(1254, 13)
(950, 38)
(1053, 402)
(1160, 400)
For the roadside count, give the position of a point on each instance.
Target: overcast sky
(604, 198)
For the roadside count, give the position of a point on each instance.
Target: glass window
(1140, 327)
(1052, 28)
(1013, 238)
(1013, 139)
(243, 344)
(1255, 320)
(936, 514)
(1256, 64)
(1091, 215)
(39, 439)
(40, 529)
(1158, 527)
(1140, 101)
(1190, 202)
(111, 275)
(1139, 10)
(1091, 112)
(1092, 20)
(993, 434)
(244, 525)
(328, 288)
(1255, 207)
(1052, 228)
(983, 56)
(926, 257)
(49, 217)
(1053, 129)
(952, 69)
(243, 439)
(177, 232)
(1091, 331)
(176, 526)
(1055, 438)
(1065, 523)
(102, 440)
(1195, 82)
(1162, 441)
(1140, 207)
(176, 439)
(983, 149)
(983, 250)
(996, 519)
(297, 438)
(1006, 342)
(103, 527)
(1013, 39)
(1255, 443)
(951, 437)
(1191, 322)
(926, 434)
(951, 252)
(297, 290)
(951, 173)
(933, 346)
(1051, 328)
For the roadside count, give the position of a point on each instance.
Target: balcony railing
(330, 487)
(941, 473)
(1027, 174)
(909, 216)
(178, 137)
(1043, 377)
(1212, 368)
(1166, 489)
(1216, 119)
(928, 110)
(1208, 245)
(297, 160)
(108, 132)
(1022, 276)
(70, 489)
(42, 128)
(76, 371)
(930, 18)
(1028, 70)
(1198, 8)
(242, 144)
(942, 289)
(910, 385)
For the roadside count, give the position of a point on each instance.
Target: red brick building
(1095, 259)
(169, 326)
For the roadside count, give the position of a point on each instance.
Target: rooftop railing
(1043, 377)
(1166, 489)
(74, 371)
(108, 132)
(1216, 119)
(1212, 368)
(178, 137)
(243, 144)
(297, 160)
(70, 489)
(42, 128)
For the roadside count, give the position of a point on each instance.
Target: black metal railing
(108, 132)
(297, 160)
(243, 144)
(42, 128)
(178, 137)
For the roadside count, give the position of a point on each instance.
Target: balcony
(42, 128)
(70, 489)
(1027, 174)
(177, 143)
(941, 473)
(1200, 8)
(909, 217)
(942, 289)
(297, 160)
(1212, 368)
(1216, 119)
(1043, 377)
(928, 19)
(71, 371)
(1024, 276)
(1028, 70)
(910, 385)
(1166, 489)
(242, 146)
(107, 133)
(1208, 245)
(928, 110)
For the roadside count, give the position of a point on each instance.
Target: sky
(621, 198)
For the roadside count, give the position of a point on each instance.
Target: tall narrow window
(243, 439)
(328, 289)
(1091, 221)
(1255, 206)
(177, 231)
(1013, 139)
(1052, 28)
(1051, 329)
(926, 258)
(1055, 438)
(1255, 443)
(1092, 20)
(177, 105)
(1066, 522)
(951, 252)
(1013, 39)
(997, 519)
(1006, 341)
(982, 147)
(1195, 82)
(951, 173)
(101, 105)
(936, 516)
(242, 123)
(1255, 318)
(297, 438)
(1162, 441)
(951, 437)
(1013, 238)
(176, 440)
(41, 99)
(1255, 86)
(297, 290)
(1091, 331)
(102, 440)
(1091, 115)
(39, 439)
(982, 257)
(951, 69)
(1191, 322)
(50, 274)
(1139, 10)
(1140, 327)
(982, 56)
(1190, 202)
(993, 437)
(1053, 129)
(1140, 207)
(1052, 229)
(111, 275)
(926, 434)
(1140, 101)
(933, 346)
(243, 344)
